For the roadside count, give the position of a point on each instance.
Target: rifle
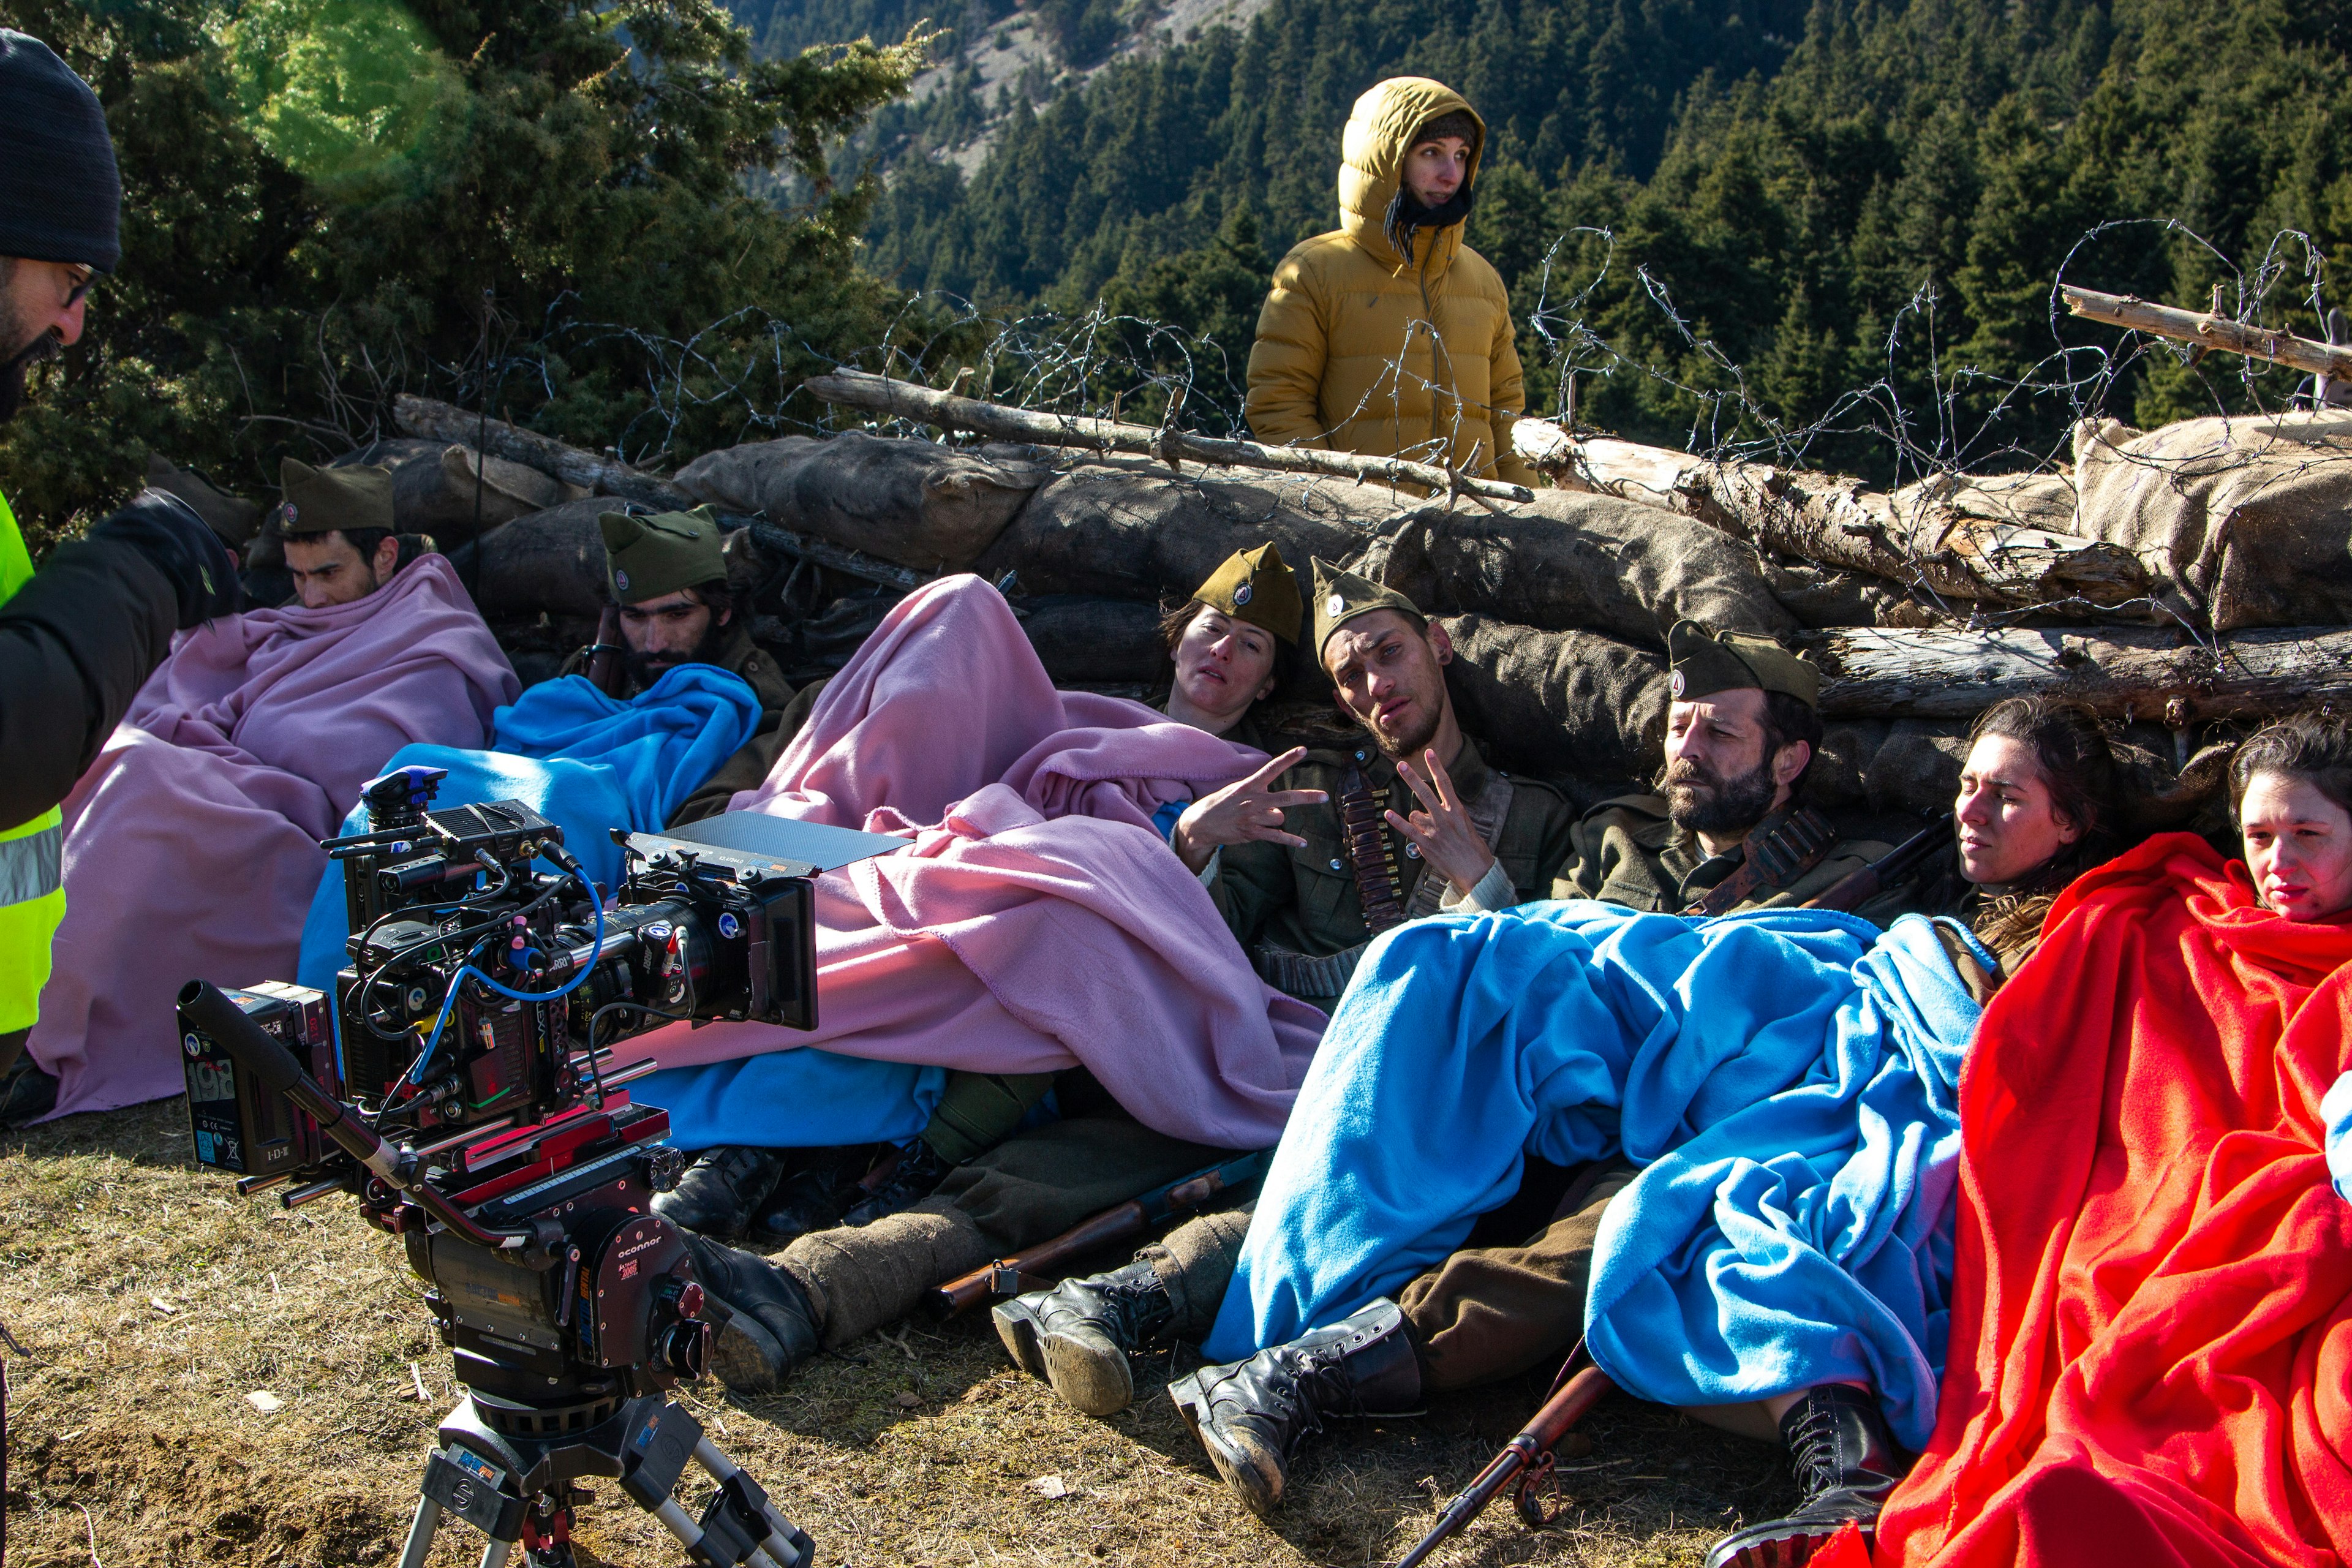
(1526, 1459)
(1024, 1271)
(1855, 889)
(604, 654)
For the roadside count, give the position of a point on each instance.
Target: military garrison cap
(322, 501)
(1257, 587)
(651, 556)
(1341, 596)
(1706, 662)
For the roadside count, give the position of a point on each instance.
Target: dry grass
(131, 1441)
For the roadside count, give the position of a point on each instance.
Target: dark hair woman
(2042, 798)
(2291, 791)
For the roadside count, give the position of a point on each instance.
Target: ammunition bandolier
(1304, 915)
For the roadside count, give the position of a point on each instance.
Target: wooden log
(2211, 330)
(2132, 673)
(437, 421)
(1839, 522)
(907, 400)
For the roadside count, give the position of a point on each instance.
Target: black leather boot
(813, 1198)
(1078, 1335)
(26, 1094)
(721, 1190)
(901, 1185)
(1252, 1416)
(1846, 1464)
(770, 1325)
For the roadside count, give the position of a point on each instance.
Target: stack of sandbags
(2244, 522)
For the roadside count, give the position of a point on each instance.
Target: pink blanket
(1038, 922)
(191, 842)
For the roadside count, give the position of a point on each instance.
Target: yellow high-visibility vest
(32, 855)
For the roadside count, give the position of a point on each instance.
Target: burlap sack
(434, 485)
(550, 563)
(1578, 562)
(233, 518)
(1084, 641)
(2244, 522)
(1559, 703)
(1821, 598)
(1134, 531)
(919, 504)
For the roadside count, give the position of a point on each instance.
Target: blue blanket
(589, 763)
(1787, 1075)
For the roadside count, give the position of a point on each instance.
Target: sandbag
(1135, 531)
(550, 562)
(233, 518)
(2245, 522)
(434, 485)
(1578, 562)
(1084, 641)
(1559, 703)
(919, 504)
(1821, 598)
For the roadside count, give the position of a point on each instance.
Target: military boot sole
(1017, 1325)
(1254, 1473)
(1089, 1373)
(1778, 1545)
(746, 1358)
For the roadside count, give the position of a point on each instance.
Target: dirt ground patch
(149, 1302)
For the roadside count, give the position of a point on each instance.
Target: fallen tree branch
(907, 400)
(1838, 522)
(432, 420)
(2211, 330)
(2122, 673)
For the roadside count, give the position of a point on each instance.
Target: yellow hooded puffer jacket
(1362, 349)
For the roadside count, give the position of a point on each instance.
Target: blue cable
(416, 1073)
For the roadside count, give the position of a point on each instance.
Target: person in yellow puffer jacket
(1389, 336)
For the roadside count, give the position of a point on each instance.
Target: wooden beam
(1840, 523)
(433, 420)
(2211, 330)
(2123, 672)
(909, 400)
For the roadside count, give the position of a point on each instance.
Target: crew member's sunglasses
(83, 277)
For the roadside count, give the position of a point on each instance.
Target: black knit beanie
(1454, 123)
(60, 195)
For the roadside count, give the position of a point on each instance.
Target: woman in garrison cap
(1226, 642)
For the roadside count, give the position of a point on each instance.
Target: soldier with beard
(1731, 831)
(78, 638)
(669, 576)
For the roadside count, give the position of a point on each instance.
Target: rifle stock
(605, 657)
(1024, 1270)
(1526, 1459)
(1855, 889)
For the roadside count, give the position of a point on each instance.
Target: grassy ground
(149, 1302)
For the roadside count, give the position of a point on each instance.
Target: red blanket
(2151, 1351)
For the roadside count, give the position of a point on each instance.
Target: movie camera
(461, 1081)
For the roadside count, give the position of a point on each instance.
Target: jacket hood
(1371, 163)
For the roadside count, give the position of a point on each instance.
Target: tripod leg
(784, 1544)
(494, 1555)
(420, 1533)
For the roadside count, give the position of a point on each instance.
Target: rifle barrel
(1568, 1406)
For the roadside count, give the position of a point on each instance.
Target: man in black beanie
(78, 638)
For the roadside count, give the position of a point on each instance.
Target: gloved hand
(167, 531)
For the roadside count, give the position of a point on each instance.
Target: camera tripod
(516, 1485)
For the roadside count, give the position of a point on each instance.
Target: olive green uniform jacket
(1278, 899)
(782, 711)
(1629, 852)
